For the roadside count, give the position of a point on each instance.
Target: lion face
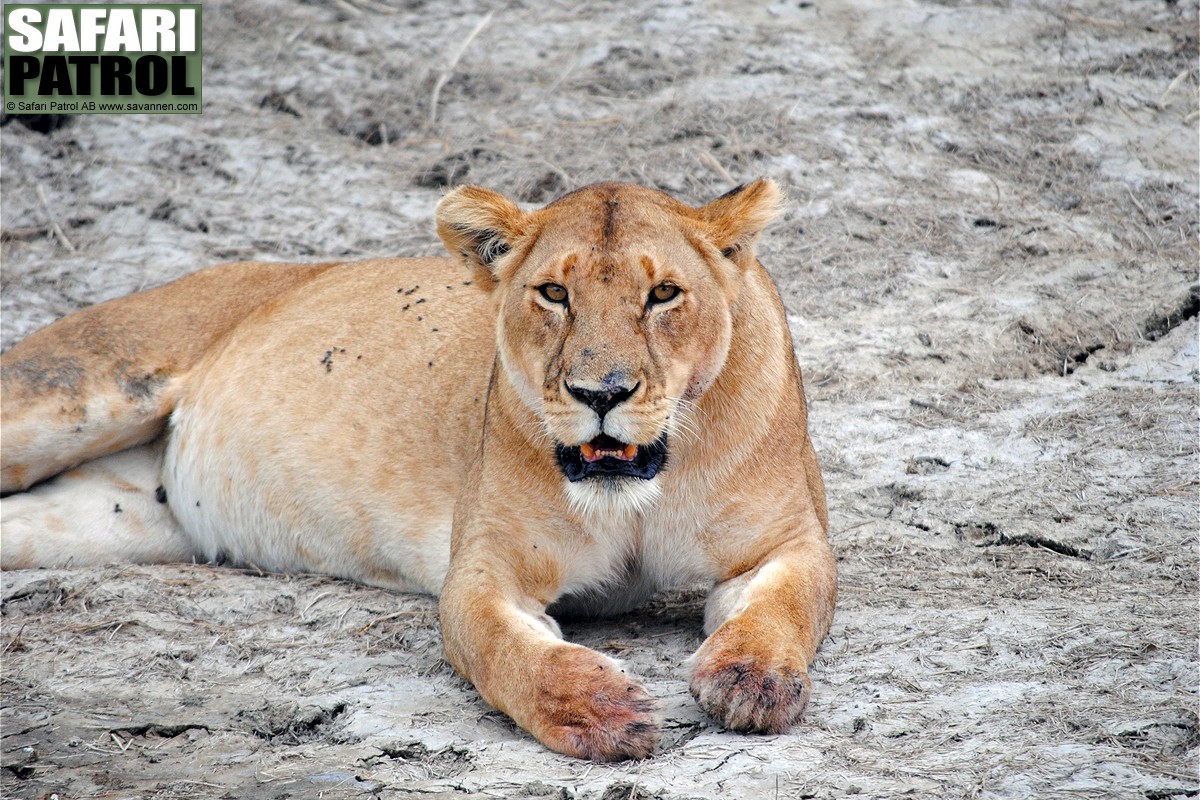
(614, 315)
(609, 340)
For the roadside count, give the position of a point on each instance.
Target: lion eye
(553, 292)
(662, 293)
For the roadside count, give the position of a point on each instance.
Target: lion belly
(331, 431)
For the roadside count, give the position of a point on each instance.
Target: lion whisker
(683, 420)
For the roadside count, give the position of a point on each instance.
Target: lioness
(603, 403)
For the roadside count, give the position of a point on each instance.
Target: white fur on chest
(622, 557)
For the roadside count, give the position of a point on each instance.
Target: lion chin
(612, 496)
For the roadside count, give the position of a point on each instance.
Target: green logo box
(109, 58)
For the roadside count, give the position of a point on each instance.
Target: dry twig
(54, 226)
(445, 76)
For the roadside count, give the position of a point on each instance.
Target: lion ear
(479, 226)
(736, 218)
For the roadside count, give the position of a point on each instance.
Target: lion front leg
(572, 699)
(764, 627)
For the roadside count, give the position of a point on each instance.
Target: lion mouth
(605, 456)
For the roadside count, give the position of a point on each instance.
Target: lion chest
(614, 565)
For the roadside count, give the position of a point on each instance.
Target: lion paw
(746, 695)
(590, 709)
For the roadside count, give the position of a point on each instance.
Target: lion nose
(601, 401)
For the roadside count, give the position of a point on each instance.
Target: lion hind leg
(106, 377)
(42, 436)
(110, 510)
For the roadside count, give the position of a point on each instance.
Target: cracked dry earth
(989, 260)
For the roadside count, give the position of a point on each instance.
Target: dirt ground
(989, 258)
